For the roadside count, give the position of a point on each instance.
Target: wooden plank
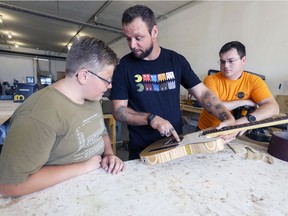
(163, 151)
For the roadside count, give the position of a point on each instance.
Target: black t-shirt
(152, 87)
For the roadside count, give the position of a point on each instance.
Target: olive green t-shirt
(50, 129)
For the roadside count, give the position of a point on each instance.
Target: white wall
(15, 68)
(18, 67)
(199, 31)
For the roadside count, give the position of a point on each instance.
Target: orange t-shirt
(248, 86)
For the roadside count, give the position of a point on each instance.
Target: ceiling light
(40, 59)
(1, 20)
(16, 45)
(9, 35)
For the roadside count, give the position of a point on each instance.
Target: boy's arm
(48, 176)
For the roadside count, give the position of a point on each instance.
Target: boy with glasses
(58, 132)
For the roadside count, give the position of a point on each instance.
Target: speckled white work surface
(222, 183)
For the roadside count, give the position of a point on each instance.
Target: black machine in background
(18, 91)
(8, 89)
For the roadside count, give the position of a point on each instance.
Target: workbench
(222, 183)
(7, 108)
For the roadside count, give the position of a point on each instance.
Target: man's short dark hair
(142, 11)
(236, 45)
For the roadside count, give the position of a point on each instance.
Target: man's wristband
(150, 118)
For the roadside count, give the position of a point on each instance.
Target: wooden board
(168, 149)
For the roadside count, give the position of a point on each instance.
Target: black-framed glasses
(101, 78)
(229, 61)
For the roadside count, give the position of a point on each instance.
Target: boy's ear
(82, 76)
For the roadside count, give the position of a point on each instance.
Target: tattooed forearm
(135, 113)
(209, 100)
(222, 116)
(213, 105)
(128, 115)
(208, 105)
(120, 113)
(218, 106)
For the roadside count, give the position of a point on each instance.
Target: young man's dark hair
(236, 45)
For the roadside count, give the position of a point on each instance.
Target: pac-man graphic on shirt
(155, 82)
(171, 84)
(161, 77)
(138, 78)
(146, 78)
(140, 87)
(170, 75)
(156, 86)
(148, 86)
(154, 78)
(163, 86)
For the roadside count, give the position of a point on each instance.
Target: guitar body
(168, 149)
(206, 141)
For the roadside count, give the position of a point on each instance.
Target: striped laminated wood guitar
(206, 141)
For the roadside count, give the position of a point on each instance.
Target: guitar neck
(247, 126)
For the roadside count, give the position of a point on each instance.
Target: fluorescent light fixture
(40, 59)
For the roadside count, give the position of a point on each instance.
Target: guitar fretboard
(256, 124)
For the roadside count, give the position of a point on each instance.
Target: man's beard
(145, 53)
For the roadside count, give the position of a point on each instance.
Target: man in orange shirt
(237, 88)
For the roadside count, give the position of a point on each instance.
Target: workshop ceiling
(52, 25)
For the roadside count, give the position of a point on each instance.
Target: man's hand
(229, 137)
(164, 127)
(112, 164)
